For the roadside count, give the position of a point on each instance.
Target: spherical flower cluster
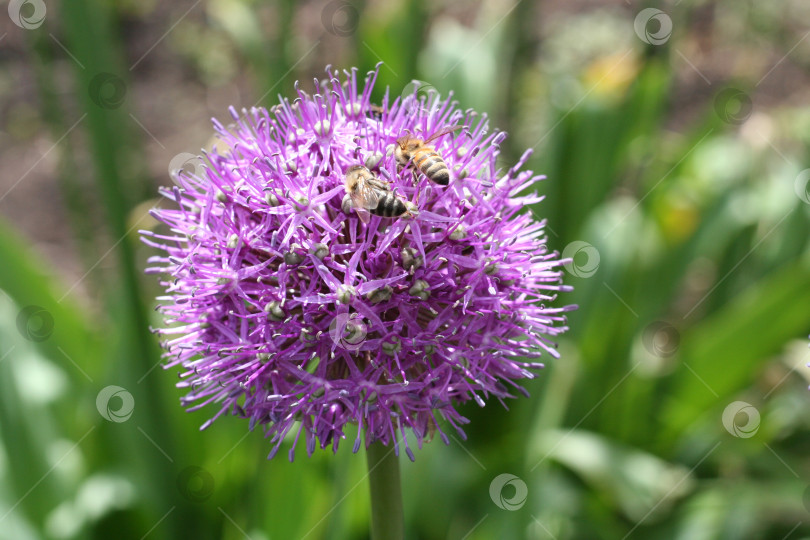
(284, 306)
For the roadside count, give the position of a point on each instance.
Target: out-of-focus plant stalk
(387, 521)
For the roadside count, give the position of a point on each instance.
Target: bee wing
(363, 214)
(444, 131)
(365, 196)
(403, 140)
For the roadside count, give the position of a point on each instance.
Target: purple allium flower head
(283, 306)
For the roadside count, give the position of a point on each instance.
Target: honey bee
(375, 112)
(410, 149)
(369, 194)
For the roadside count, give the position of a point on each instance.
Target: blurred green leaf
(722, 358)
(75, 336)
(640, 483)
(43, 460)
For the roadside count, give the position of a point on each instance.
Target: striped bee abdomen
(432, 165)
(389, 206)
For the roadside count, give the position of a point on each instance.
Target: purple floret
(282, 308)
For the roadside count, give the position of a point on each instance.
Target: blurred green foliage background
(675, 142)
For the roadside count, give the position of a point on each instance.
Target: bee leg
(416, 199)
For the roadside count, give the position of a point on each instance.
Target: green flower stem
(387, 522)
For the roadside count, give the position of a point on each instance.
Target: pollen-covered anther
(411, 259)
(233, 241)
(322, 127)
(373, 160)
(274, 311)
(392, 346)
(308, 337)
(345, 294)
(346, 205)
(382, 294)
(354, 332)
(420, 289)
(320, 250)
(292, 257)
(458, 233)
(301, 201)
